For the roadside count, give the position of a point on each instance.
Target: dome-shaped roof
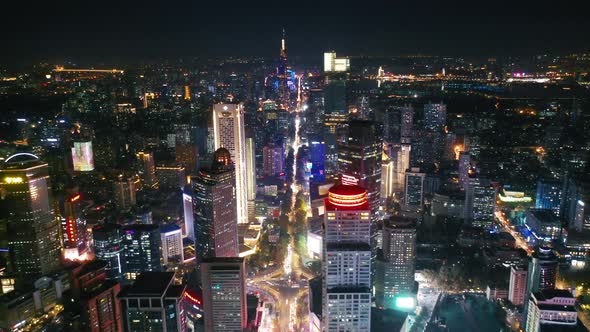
(222, 156)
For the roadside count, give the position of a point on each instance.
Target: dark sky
(130, 29)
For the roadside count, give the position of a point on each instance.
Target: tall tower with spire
(282, 72)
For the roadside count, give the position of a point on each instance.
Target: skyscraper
(251, 177)
(480, 202)
(435, 116)
(318, 161)
(147, 169)
(224, 294)
(187, 155)
(31, 229)
(282, 72)
(109, 247)
(73, 224)
(335, 118)
(396, 271)
(172, 250)
(407, 123)
(124, 193)
(215, 209)
(517, 286)
(464, 169)
(541, 275)
(95, 298)
(273, 160)
(153, 303)
(347, 260)
(359, 157)
(142, 249)
(549, 195)
(228, 125)
(189, 217)
(414, 189)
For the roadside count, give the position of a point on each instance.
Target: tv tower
(282, 72)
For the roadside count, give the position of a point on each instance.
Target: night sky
(128, 30)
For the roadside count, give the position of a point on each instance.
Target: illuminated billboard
(82, 157)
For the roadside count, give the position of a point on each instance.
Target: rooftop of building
(223, 260)
(169, 228)
(175, 291)
(154, 284)
(548, 294)
(545, 216)
(350, 290)
(21, 161)
(141, 228)
(399, 222)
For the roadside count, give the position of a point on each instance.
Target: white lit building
(172, 251)
(228, 127)
(347, 260)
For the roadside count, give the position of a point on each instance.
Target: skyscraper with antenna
(282, 72)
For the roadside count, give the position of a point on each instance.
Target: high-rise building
(187, 155)
(171, 238)
(549, 195)
(142, 250)
(551, 308)
(318, 161)
(215, 208)
(251, 177)
(147, 169)
(414, 189)
(517, 286)
(228, 124)
(335, 64)
(171, 176)
(435, 116)
(396, 270)
(153, 303)
(282, 72)
(95, 298)
(273, 160)
(359, 157)
(189, 218)
(464, 169)
(407, 124)
(347, 260)
(224, 294)
(31, 231)
(480, 202)
(108, 246)
(73, 230)
(542, 273)
(335, 119)
(124, 193)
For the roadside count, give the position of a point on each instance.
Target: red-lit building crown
(343, 197)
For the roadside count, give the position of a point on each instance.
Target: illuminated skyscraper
(282, 72)
(142, 250)
(224, 294)
(108, 246)
(153, 303)
(359, 157)
(318, 161)
(187, 155)
(347, 260)
(124, 193)
(147, 169)
(335, 117)
(215, 209)
(435, 116)
(82, 155)
(480, 202)
(172, 250)
(464, 169)
(31, 230)
(189, 219)
(549, 195)
(228, 124)
(542, 274)
(250, 169)
(335, 64)
(414, 189)
(407, 123)
(273, 160)
(395, 273)
(73, 230)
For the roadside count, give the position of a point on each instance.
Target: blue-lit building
(549, 195)
(142, 250)
(318, 161)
